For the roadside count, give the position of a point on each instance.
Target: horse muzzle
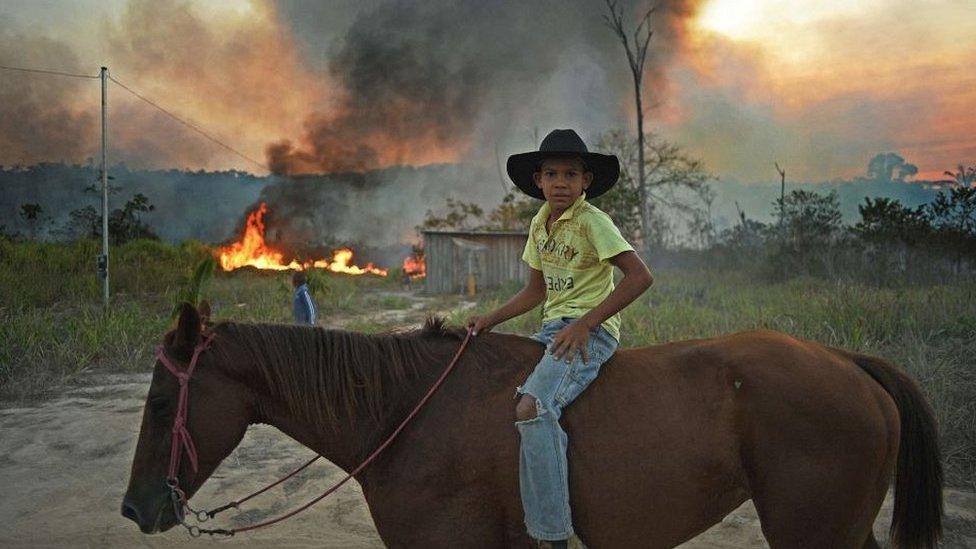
(151, 519)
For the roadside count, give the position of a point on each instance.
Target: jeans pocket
(578, 378)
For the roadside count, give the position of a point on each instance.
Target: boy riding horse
(572, 248)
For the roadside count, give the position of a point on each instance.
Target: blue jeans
(543, 472)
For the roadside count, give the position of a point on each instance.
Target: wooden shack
(492, 257)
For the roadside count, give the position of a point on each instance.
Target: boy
(572, 249)
(302, 305)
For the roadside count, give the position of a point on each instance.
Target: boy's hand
(482, 323)
(570, 340)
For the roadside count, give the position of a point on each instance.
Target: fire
(252, 251)
(414, 266)
(340, 264)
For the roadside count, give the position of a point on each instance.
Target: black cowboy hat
(563, 143)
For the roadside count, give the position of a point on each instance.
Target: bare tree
(676, 189)
(782, 191)
(636, 48)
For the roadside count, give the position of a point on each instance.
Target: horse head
(215, 416)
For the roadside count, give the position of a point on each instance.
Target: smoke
(441, 81)
(330, 88)
(44, 117)
(235, 73)
(821, 89)
(450, 86)
(376, 212)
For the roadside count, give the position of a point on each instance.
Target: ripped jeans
(543, 471)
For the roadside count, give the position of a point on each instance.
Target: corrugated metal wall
(447, 261)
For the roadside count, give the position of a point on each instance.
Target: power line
(42, 71)
(190, 125)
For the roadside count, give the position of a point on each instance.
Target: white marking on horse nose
(737, 384)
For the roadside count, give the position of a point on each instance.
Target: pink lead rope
(181, 438)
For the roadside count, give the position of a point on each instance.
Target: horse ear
(188, 327)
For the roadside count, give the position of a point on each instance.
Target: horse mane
(325, 375)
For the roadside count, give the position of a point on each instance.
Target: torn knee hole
(527, 408)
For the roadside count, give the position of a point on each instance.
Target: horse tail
(917, 517)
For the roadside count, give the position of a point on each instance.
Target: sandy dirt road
(64, 465)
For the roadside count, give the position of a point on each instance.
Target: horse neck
(355, 431)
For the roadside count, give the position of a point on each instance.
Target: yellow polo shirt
(574, 260)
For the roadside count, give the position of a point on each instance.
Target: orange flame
(415, 266)
(340, 264)
(252, 251)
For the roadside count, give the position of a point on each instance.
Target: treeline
(890, 244)
(56, 201)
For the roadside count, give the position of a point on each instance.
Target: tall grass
(53, 326)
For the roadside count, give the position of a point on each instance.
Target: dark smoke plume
(44, 117)
(425, 82)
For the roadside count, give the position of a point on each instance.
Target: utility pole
(103, 259)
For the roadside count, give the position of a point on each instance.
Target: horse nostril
(129, 511)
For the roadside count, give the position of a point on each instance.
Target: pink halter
(181, 437)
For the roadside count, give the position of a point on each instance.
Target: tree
(963, 176)
(460, 215)
(125, 224)
(701, 226)
(676, 188)
(514, 213)
(782, 189)
(31, 213)
(636, 55)
(812, 227)
(891, 232)
(886, 220)
(953, 216)
(82, 223)
(810, 217)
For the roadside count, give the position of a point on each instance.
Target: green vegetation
(52, 326)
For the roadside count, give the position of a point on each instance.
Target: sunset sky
(819, 86)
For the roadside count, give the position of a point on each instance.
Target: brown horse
(667, 441)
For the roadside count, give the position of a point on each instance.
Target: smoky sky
(344, 85)
(460, 77)
(38, 116)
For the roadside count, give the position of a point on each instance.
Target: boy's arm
(637, 278)
(533, 293)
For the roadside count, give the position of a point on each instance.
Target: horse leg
(871, 543)
(825, 500)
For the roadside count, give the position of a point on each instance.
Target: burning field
(253, 250)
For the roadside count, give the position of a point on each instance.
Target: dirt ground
(64, 465)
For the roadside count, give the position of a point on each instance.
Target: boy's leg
(543, 471)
